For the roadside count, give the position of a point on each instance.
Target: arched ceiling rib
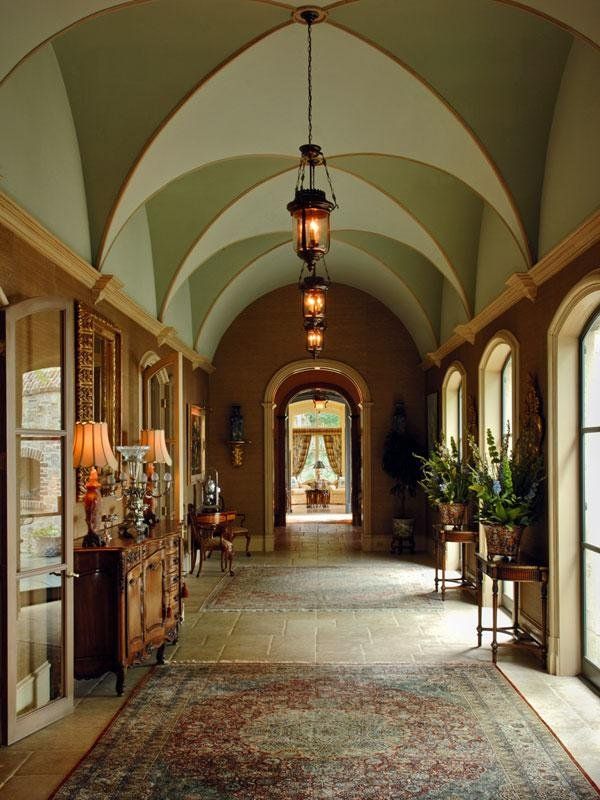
(435, 116)
(30, 23)
(212, 126)
(261, 211)
(351, 267)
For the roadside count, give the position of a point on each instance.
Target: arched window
(589, 432)
(498, 403)
(453, 405)
(497, 387)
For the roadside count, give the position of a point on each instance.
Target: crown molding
(521, 285)
(104, 287)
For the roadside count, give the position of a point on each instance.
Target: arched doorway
(286, 383)
(307, 460)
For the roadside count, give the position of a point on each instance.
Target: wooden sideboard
(127, 602)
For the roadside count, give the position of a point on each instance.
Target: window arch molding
(502, 345)
(564, 524)
(454, 403)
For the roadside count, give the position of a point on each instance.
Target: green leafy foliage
(508, 483)
(445, 476)
(399, 462)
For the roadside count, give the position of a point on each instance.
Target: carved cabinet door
(135, 630)
(154, 576)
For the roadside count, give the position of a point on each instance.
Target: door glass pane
(591, 484)
(38, 374)
(39, 642)
(40, 493)
(591, 618)
(591, 375)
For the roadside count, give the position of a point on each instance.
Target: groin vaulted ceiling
(461, 139)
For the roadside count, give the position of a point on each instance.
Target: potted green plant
(400, 463)
(446, 480)
(509, 486)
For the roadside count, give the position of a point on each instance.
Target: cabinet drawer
(172, 563)
(152, 547)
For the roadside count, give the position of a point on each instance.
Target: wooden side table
(518, 573)
(441, 536)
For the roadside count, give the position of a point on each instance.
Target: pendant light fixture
(310, 210)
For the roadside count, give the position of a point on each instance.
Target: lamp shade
(319, 464)
(91, 447)
(157, 452)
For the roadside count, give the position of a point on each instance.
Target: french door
(40, 485)
(590, 500)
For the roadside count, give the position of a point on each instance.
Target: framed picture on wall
(432, 420)
(196, 436)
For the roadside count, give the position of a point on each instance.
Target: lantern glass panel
(314, 340)
(311, 231)
(314, 300)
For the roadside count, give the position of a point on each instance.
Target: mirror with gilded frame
(97, 376)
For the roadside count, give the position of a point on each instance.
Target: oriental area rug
(329, 588)
(291, 732)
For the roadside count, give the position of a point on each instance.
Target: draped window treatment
(301, 440)
(300, 446)
(333, 448)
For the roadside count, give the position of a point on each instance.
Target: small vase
(503, 541)
(452, 514)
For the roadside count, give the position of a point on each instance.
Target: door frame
(17, 728)
(363, 396)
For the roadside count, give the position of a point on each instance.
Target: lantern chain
(309, 26)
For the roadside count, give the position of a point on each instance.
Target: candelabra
(133, 483)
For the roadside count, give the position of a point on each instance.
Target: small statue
(236, 421)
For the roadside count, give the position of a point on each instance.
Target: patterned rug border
(590, 780)
(222, 666)
(226, 579)
(132, 694)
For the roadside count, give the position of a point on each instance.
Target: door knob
(71, 574)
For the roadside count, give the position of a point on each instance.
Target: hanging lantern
(319, 400)
(315, 334)
(314, 297)
(310, 209)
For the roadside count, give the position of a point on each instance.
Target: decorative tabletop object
(236, 432)
(134, 481)
(446, 480)
(509, 486)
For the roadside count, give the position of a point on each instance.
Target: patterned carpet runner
(291, 732)
(330, 588)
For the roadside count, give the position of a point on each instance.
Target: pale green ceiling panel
(179, 315)
(498, 67)
(572, 182)
(130, 259)
(444, 205)
(263, 210)
(125, 71)
(182, 210)
(39, 157)
(365, 102)
(453, 313)
(498, 259)
(213, 275)
(419, 274)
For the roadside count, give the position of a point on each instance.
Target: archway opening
(319, 456)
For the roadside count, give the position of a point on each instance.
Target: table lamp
(157, 453)
(91, 449)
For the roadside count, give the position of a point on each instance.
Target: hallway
(418, 629)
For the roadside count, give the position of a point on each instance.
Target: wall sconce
(237, 441)
(92, 449)
(157, 453)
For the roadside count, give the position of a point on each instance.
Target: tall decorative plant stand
(518, 573)
(441, 536)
